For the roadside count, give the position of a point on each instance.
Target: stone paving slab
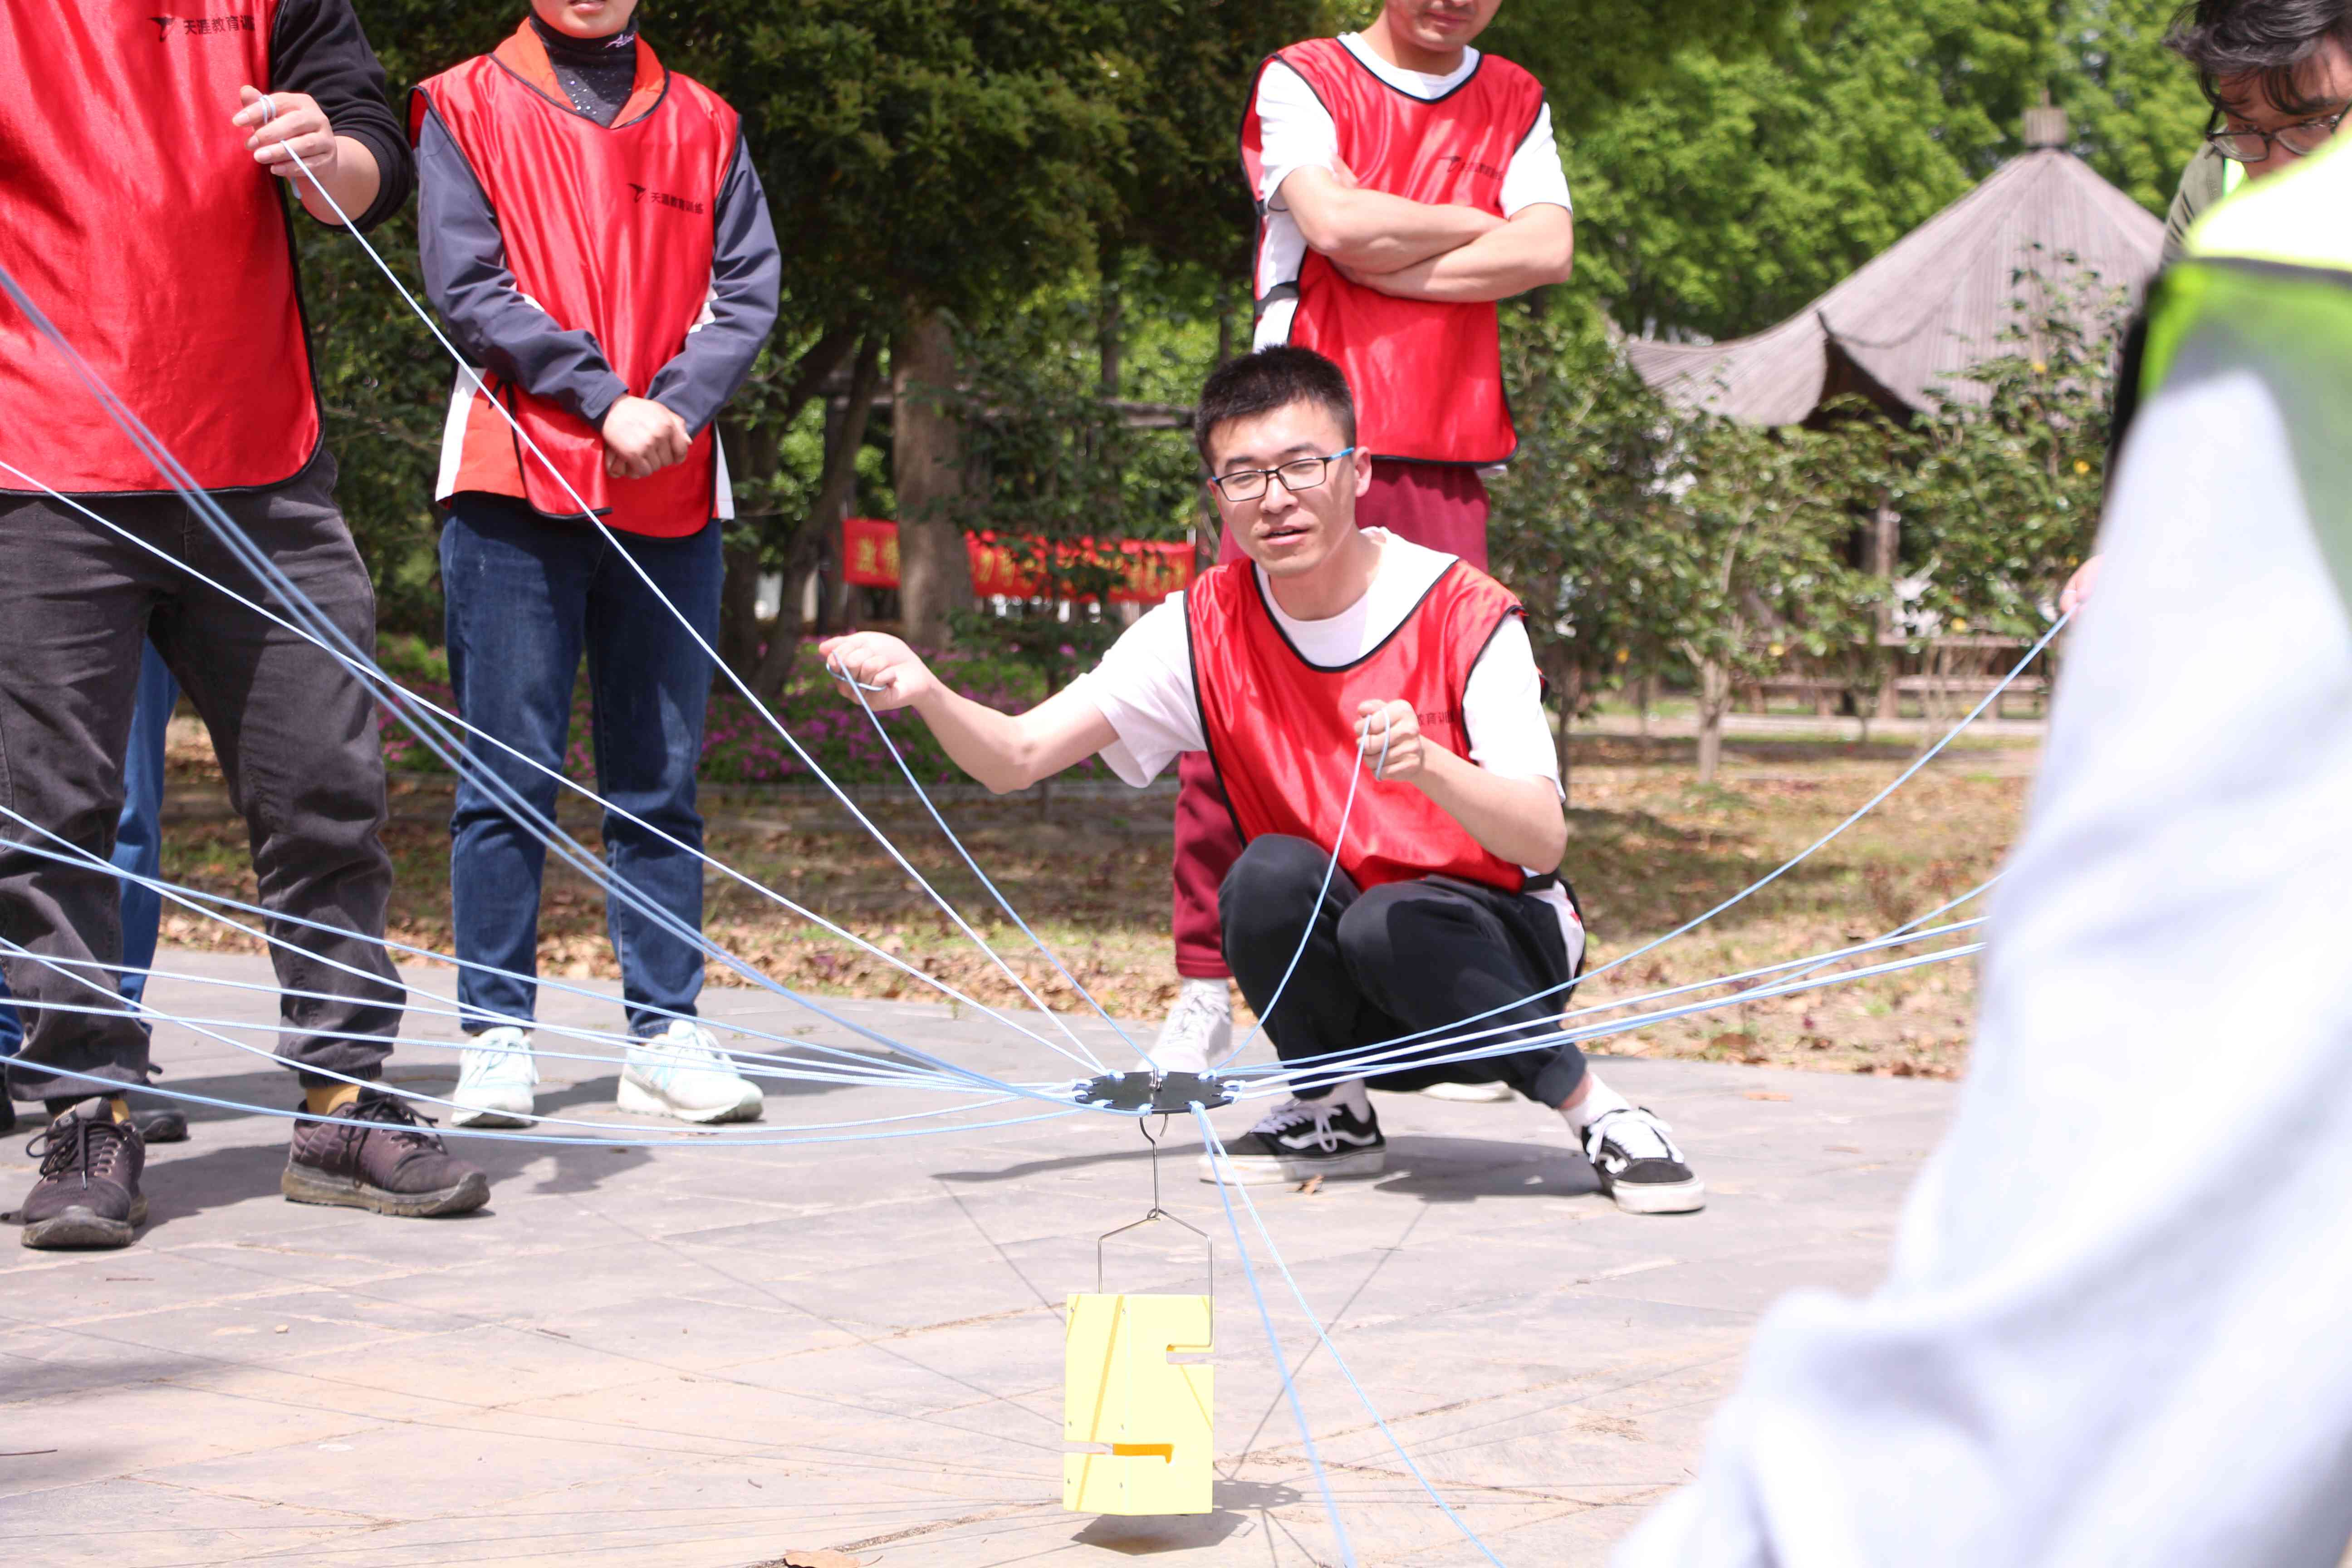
(701, 1355)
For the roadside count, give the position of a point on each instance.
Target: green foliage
(2135, 106)
(1052, 465)
(1999, 502)
(1645, 543)
(1738, 187)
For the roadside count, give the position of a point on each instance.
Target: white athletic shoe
(1199, 1030)
(1472, 1093)
(495, 1075)
(681, 1072)
(1304, 1138)
(1639, 1165)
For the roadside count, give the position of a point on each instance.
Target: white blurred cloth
(2114, 1331)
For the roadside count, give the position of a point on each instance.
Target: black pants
(295, 732)
(1405, 957)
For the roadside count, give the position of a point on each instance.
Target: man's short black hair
(2269, 38)
(1269, 379)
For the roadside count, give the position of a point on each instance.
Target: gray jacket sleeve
(466, 278)
(2202, 183)
(746, 277)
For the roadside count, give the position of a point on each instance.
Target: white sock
(1349, 1092)
(1599, 1100)
(1213, 992)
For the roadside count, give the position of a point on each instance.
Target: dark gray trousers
(294, 730)
(1394, 961)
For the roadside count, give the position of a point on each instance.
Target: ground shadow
(1147, 1535)
(1439, 1170)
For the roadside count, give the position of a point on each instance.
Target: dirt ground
(1648, 849)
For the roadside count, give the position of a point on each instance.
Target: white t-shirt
(1297, 132)
(1144, 684)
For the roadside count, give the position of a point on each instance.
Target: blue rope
(679, 1139)
(1306, 933)
(1217, 1156)
(376, 677)
(1625, 1025)
(858, 688)
(195, 1026)
(182, 897)
(1379, 1053)
(1281, 1363)
(589, 513)
(1752, 888)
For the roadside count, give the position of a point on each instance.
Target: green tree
(1738, 185)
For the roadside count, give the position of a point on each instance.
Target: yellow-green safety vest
(2265, 283)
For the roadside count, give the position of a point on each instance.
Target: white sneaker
(495, 1075)
(681, 1072)
(1199, 1030)
(1472, 1093)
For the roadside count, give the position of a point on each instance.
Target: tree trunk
(835, 488)
(1714, 697)
(934, 570)
(755, 449)
(1224, 323)
(1571, 682)
(1645, 697)
(1886, 561)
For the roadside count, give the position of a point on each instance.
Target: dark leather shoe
(87, 1194)
(375, 1153)
(165, 1125)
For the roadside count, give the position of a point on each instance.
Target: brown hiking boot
(375, 1153)
(88, 1195)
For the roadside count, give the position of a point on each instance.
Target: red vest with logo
(1282, 732)
(1427, 375)
(610, 230)
(134, 217)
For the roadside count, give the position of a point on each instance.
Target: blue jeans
(527, 596)
(138, 838)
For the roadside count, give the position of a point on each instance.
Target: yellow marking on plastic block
(1138, 1423)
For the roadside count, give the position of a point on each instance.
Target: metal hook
(1155, 1213)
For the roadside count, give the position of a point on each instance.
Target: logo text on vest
(663, 198)
(199, 25)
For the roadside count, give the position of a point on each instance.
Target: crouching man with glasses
(1327, 652)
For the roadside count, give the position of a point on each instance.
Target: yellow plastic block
(1137, 1422)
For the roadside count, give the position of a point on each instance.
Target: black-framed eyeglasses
(1298, 474)
(2303, 138)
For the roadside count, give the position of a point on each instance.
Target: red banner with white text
(1005, 568)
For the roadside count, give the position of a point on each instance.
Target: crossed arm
(1415, 250)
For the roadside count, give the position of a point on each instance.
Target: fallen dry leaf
(1765, 1094)
(1311, 1185)
(817, 1557)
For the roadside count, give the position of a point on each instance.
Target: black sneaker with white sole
(1639, 1165)
(1302, 1139)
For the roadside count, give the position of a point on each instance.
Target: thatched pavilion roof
(1939, 300)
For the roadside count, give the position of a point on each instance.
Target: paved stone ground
(703, 1356)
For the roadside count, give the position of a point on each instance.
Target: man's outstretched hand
(641, 436)
(891, 672)
(2079, 587)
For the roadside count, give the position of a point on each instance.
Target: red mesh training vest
(1282, 732)
(136, 220)
(609, 230)
(1428, 377)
